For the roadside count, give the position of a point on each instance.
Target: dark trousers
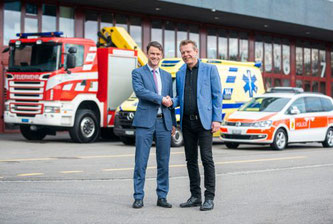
(194, 135)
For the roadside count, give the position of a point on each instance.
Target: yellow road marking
(29, 174)
(80, 157)
(71, 171)
(216, 163)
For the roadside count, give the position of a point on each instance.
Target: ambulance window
(313, 104)
(79, 54)
(299, 103)
(327, 104)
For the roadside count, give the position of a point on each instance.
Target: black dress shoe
(137, 203)
(207, 205)
(162, 202)
(191, 202)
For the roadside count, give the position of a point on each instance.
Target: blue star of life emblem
(250, 85)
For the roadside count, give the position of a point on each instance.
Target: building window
(211, 43)
(268, 57)
(121, 21)
(181, 35)
(169, 40)
(194, 35)
(136, 30)
(91, 26)
(259, 51)
(233, 46)
(243, 47)
(106, 20)
(332, 65)
(31, 20)
(307, 61)
(156, 31)
(315, 61)
(12, 20)
(223, 45)
(49, 18)
(286, 59)
(66, 21)
(322, 63)
(299, 60)
(277, 57)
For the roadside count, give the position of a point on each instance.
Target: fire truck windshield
(32, 57)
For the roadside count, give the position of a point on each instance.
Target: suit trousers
(144, 138)
(194, 135)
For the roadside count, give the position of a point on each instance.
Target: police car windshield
(265, 104)
(32, 57)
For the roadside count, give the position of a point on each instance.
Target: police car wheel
(86, 127)
(328, 143)
(29, 134)
(280, 140)
(232, 145)
(177, 140)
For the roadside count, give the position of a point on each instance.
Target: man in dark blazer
(199, 96)
(154, 118)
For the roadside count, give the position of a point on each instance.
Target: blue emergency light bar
(44, 34)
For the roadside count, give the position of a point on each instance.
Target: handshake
(166, 101)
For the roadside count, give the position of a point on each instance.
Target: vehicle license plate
(129, 132)
(25, 120)
(236, 132)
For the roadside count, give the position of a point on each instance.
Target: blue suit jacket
(209, 94)
(149, 101)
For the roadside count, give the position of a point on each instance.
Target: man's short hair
(186, 42)
(155, 44)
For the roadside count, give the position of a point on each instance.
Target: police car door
(298, 121)
(317, 118)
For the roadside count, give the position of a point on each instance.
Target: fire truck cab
(56, 83)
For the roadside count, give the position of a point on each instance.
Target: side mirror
(71, 61)
(294, 110)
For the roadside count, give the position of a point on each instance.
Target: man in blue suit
(154, 118)
(199, 96)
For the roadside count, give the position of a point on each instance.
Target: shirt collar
(196, 66)
(151, 69)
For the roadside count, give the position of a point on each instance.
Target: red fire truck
(55, 83)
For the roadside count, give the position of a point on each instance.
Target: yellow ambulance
(240, 81)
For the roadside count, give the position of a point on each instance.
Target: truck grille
(243, 137)
(125, 119)
(26, 90)
(26, 96)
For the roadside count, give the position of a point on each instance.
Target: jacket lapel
(150, 77)
(200, 74)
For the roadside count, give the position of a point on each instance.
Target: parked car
(280, 117)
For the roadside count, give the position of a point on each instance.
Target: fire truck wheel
(328, 143)
(280, 140)
(231, 145)
(127, 140)
(86, 127)
(29, 134)
(177, 140)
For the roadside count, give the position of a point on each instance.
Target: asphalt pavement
(57, 181)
